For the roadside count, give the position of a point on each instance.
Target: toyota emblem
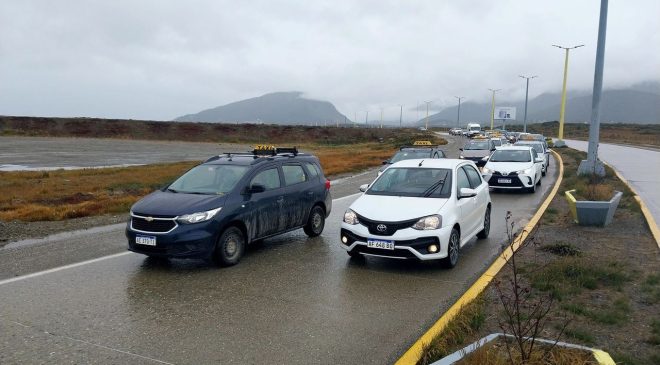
(381, 228)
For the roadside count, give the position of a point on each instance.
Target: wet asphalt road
(291, 300)
(638, 165)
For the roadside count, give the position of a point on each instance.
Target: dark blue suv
(220, 206)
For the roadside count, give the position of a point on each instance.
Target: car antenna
(420, 163)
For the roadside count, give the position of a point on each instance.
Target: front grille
(155, 226)
(515, 181)
(390, 253)
(391, 227)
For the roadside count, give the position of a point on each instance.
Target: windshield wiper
(172, 190)
(433, 187)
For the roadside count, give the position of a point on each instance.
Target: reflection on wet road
(291, 300)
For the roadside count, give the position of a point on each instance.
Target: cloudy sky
(161, 59)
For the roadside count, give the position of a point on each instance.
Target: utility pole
(527, 78)
(560, 141)
(401, 116)
(592, 165)
(458, 116)
(427, 114)
(381, 118)
(492, 108)
(366, 119)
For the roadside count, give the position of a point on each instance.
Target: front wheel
(484, 232)
(315, 223)
(230, 247)
(532, 189)
(453, 248)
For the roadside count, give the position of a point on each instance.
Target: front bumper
(185, 241)
(517, 181)
(408, 243)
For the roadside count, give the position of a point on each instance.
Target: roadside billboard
(505, 112)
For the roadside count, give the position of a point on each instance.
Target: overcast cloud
(162, 59)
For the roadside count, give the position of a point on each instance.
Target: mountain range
(273, 108)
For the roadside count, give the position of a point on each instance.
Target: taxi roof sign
(422, 143)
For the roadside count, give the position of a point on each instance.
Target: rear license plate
(145, 240)
(504, 181)
(382, 244)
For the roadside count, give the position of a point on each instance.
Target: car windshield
(409, 155)
(474, 145)
(414, 182)
(538, 147)
(209, 179)
(511, 156)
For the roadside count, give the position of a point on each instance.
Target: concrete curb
(413, 354)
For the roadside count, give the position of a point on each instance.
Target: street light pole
(401, 116)
(381, 118)
(527, 78)
(592, 165)
(366, 119)
(560, 140)
(492, 108)
(458, 116)
(427, 114)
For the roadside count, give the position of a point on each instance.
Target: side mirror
(492, 149)
(364, 187)
(385, 162)
(466, 193)
(255, 188)
(539, 160)
(460, 149)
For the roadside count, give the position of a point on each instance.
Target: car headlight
(486, 170)
(427, 223)
(198, 217)
(461, 156)
(525, 171)
(350, 217)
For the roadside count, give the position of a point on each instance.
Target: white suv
(419, 209)
(514, 167)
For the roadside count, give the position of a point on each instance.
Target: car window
(312, 169)
(209, 179)
(413, 181)
(534, 155)
(441, 154)
(462, 180)
(268, 178)
(293, 174)
(473, 176)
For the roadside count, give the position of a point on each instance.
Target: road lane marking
(98, 259)
(412, 355)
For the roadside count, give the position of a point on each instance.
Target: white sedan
(424, 209)
(514, 167)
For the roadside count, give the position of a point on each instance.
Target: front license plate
(145, 240)
(382, 244)
(504, 181)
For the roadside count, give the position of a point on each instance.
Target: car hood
(174, 204)
(508, 166)
(404, 208)
(475, 153)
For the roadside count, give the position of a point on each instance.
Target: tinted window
(441, 154)
(480, 145)
(269, 178)
(534, 155)
(209, 179)
(510, 156)
(473, 176)
(293, 174)
(312, 169)
(462, 180)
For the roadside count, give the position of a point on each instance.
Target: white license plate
(145, 240)
(382, 244)
(504, 181)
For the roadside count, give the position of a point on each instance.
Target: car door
(299, 195)
(477, 183)
(264, 209)
(467, 206)
(538, 166)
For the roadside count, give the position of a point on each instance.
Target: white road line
(65, 267)
(103, 258)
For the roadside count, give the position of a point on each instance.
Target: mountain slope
(275, 108)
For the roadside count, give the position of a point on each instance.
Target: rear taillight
(327, 184)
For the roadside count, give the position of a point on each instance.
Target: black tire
(315, 222)
(545, 169)
(230, 247)
(453, 249)
(484, 232)
(355, 256)
(539, 182)
(532, 189)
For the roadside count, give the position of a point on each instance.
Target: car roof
(249, 159)
(514, 147)
(436, 163)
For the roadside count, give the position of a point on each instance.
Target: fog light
(344, 239)
(433, 248)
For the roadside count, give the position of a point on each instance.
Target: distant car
(217, 208)
(541, 149)
(419, 149)
(419, 209)
(455, 132)
(514, 167)
(477, 150)
(422, 128)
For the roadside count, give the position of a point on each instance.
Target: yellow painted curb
(413, 354)
(603, 357)
(572, 204)
(653, 226)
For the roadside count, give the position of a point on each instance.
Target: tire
(355, 256)
(453, 249)
(543, 172)
(230, 247)
(315, 222)
(539, 182)
(532, 189)
(484, 232)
